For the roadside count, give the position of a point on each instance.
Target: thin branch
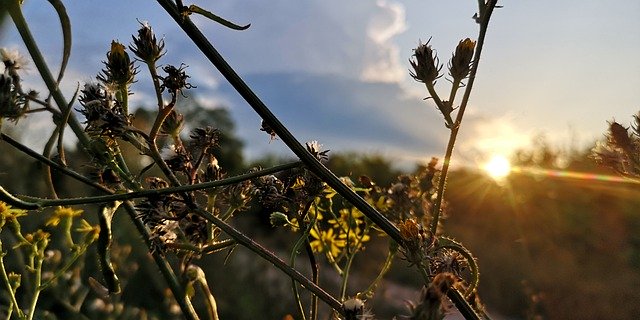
(261, 109)
(37, 203)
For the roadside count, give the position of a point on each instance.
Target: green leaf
(195, 9)
(104, 246)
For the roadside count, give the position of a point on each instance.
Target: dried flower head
(12, 60)
(13, 105)
(204, 139)
(176, 79)
(354, 309)
(177, 158)
(314, 148)
(426, 65)
(448, 261)
(213, 171)
(104, 116)
(460, 63)
(264, 126)
(119, 69)
(145, 46)
(430, 304)
(416, 242)
(619, 137)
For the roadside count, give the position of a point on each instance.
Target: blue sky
(337, 71)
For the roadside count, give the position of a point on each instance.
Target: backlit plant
(182, 204)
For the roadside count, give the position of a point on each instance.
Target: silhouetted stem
(261, 109)
(37, 203)
(463, 106)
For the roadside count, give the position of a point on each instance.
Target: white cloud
(382, 57)
(320, 37)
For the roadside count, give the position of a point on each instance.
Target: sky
(338, 71)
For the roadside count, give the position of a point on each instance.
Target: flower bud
(119, 69)
(460, 63)
(146, 46)
(278, 219)
(426, 65)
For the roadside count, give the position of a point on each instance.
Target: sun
(498, 167)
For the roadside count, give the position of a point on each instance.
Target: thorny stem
(42, 203)
(259, 107)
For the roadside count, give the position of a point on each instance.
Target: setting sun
(497, 167)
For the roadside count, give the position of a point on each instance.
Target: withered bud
(204, 139)
(264, 126)
(176, 79)
(314, 148)
(146, 46)
(353, 309)
(12, 104)
(619, 136)
(426, 65)
(119, 69)
(213, 171)
(460, 63)
(278, 219)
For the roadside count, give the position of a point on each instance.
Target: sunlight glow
(498, 167)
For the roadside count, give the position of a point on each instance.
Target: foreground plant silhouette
(185, 212)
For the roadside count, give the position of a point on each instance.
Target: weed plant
(183, 203)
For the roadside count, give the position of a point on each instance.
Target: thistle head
(460, 63)
(145, 46)
(426, 64)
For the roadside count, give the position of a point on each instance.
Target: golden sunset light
(498, 167)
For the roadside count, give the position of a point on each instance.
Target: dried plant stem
(261, 109)
(38, 203)
(484, 23)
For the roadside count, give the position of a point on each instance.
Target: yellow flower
(349, 218)
(8, 214)
(92, 232)
(62, 213)
(326, 240)
(356, 238)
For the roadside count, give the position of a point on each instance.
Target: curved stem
(13, 6)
